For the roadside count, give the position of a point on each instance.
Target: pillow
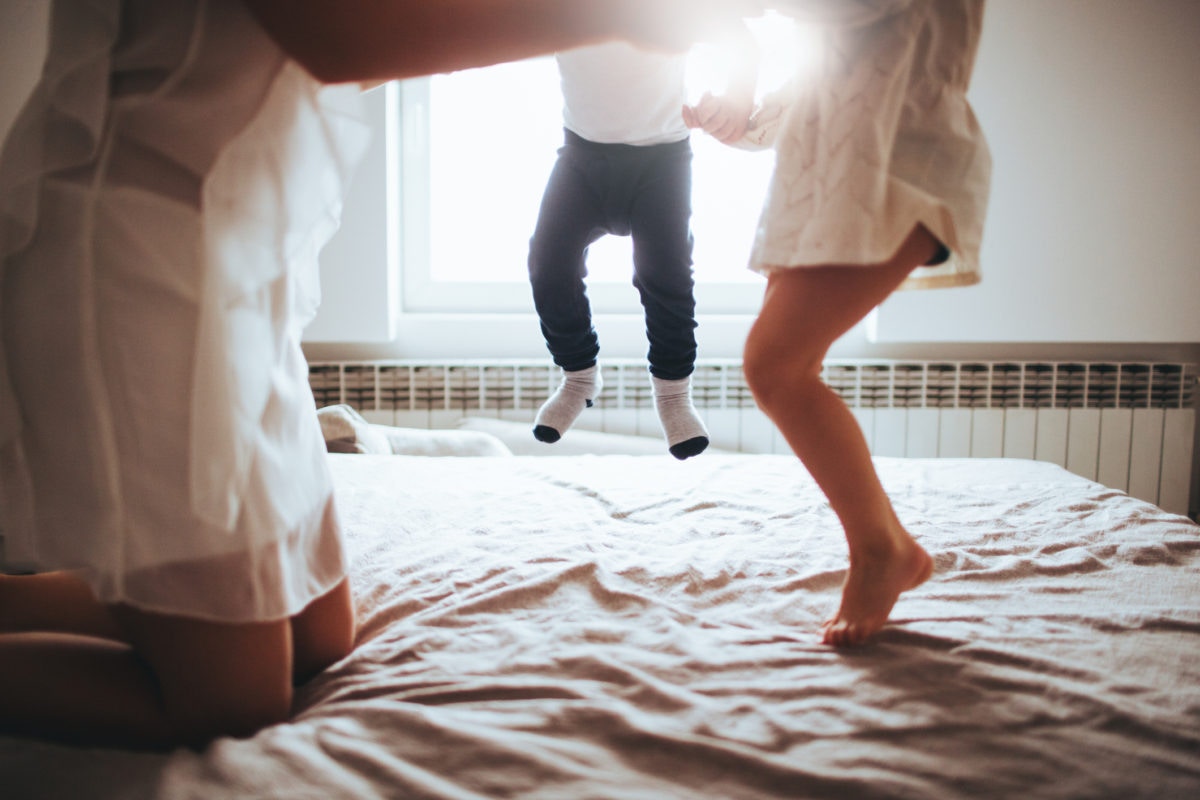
(518, 436)
(346, 431)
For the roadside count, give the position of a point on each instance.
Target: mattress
(612, 626)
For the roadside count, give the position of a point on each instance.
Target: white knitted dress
(880, 138)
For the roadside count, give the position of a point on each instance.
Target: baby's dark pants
(624, 190)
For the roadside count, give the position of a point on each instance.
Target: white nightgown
(163, 197)
(878, 139)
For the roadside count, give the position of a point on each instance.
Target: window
(476, 150)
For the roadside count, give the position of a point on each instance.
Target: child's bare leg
(804, 312)
(58, 602)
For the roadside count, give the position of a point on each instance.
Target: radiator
(1130, 426)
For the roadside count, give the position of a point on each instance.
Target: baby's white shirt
(616, 93)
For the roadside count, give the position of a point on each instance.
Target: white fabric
(163, 195)
(878, 139)
(639, 628)
(442, 443)
(346, 431)
(617, 94)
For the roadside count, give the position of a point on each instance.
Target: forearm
(375, 40)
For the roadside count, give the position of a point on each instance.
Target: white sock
(685, 431)
(576, 392)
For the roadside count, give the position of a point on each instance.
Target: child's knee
(778, 367)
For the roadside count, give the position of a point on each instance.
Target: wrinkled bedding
(637, 627)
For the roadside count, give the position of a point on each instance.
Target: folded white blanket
(346, 431)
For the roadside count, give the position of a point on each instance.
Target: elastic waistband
(575, 140)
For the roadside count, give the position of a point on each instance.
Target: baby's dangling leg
(685, 431)
(578, 391)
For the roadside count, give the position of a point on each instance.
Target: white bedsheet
(638, 627)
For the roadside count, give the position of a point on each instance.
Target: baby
(624, 169)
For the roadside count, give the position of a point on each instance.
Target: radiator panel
(1145, 453)
(1116, 437)
(1179, 433)
(987, 433)
(1130, 426)
(1083, 441)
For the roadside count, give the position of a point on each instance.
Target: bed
(631, 626)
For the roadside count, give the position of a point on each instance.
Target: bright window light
(478, 148)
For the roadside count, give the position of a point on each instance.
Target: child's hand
(725, 118)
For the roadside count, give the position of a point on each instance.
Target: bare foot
(872, 586)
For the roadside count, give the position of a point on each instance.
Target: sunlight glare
(787, 48)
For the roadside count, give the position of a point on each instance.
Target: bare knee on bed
(323, 633)
(214, 679)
